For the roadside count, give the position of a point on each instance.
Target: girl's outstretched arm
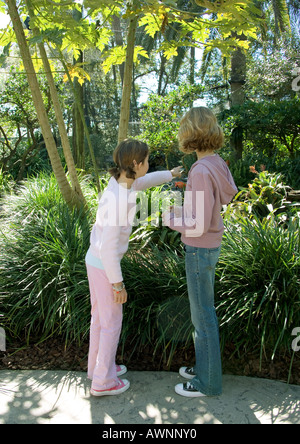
(156, 178)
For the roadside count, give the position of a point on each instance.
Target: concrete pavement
(62, 397)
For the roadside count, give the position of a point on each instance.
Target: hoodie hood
(218, 168)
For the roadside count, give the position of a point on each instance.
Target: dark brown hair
(124, 155)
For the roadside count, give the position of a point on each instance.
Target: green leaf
(116, 56)
(50, 35)
(152, 24)
(139, 51)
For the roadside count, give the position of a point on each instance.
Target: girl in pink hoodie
(210, 185)
(108, 243)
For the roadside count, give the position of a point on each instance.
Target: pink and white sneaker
(121, 370)
(121, 387)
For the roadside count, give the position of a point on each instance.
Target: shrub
(150, 230)
(267, 195)
(258, 285)
(6, 183)
(268, 127)
(157, 311)
(42, 276)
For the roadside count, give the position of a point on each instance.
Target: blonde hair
(199, 131)
(124, 155)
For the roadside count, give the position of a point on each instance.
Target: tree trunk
(192, 66)
(86, 130)
(116, 25)
(59, 116)
(237, 82)
(61, 126)
(163, 62)
(68, 194)
(238, 76)
(127, 83)
(78, 128)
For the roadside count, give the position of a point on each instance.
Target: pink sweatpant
(106, 324)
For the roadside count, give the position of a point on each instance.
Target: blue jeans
(200, 271)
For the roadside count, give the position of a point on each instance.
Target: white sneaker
(188, 390)
(121, 370)
(121, 387)
(187, 372)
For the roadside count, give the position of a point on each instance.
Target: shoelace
(190, 386)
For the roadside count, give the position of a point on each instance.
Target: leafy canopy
(72, 27)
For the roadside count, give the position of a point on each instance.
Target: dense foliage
(44, 289)
(270, 128)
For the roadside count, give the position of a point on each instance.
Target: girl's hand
(176, 210)
(120, 293)
(172, 211)
(120, 297)
(177, 172)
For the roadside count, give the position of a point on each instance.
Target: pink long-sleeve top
(115, 215)
(210, 185)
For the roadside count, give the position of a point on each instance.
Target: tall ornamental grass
(258, 285)
(44, 289)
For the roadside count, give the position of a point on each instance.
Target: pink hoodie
(210, 185)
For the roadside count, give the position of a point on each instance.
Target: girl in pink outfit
(108, 243)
